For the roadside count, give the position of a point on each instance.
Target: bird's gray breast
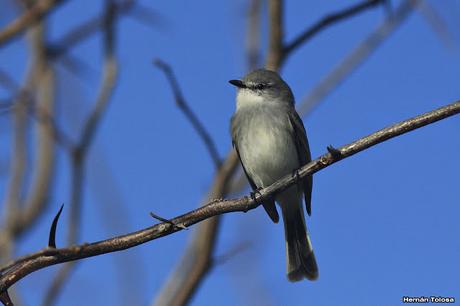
(265, 142)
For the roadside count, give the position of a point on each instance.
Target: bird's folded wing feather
(303, 154)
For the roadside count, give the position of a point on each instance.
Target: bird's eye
(260, 86)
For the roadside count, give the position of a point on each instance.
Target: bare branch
(276, 30)
(438, 25)
(95, 24)
(48, 257)
(79, 153)
(327, 21)
(253, 34)
(357, 56)
(185, 108)
(30, 16)
(197, 258)
(40, 79)
(8, 82)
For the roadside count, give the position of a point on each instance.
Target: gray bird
(271, 142)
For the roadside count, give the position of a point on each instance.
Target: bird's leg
(296, 176)
(253, 196)
(336, 154)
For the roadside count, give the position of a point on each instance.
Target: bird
(271, 142)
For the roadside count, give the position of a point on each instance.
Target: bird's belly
(269, 154)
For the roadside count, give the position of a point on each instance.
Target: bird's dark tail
(301, 262)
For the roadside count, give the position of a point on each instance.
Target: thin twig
(357, 56)
(161, 219)
(93, 25)
(327, 21)
(224, 258)
(185, 108)
(42, 259)
(438, 25)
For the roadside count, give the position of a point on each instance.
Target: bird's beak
(237, 83)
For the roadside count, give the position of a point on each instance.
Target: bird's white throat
(246, 97)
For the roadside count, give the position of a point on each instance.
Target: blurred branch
(185, 108)
(95, 24)
(44, 117)
(8, 82)
(22, 267)
(438, 25)
(79, 154)
(327, 21)
(357, 56)
(197, 259)
(43, 76)
(12, 205)
(276, 30)
(28, 18)
(253, 34)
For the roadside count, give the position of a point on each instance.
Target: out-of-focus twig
(276, 36)
(253, 34)
(327, 21)
(78, 156)
(40, 9)
(198, 256)
(8, 82)
(22, 267)
(357, 56)
(437, 23)
(191, 116)
(93, 25)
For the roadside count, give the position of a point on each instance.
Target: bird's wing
(303, 154)
(269, 205)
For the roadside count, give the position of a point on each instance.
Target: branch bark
(20, 268)
(29, 17)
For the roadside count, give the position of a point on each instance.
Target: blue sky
(385, 222)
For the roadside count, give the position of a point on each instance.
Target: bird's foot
(253, 196)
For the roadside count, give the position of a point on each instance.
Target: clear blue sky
(385, 223)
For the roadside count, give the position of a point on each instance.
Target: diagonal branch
(357, 56)
(29, 17)
(22, 267)
(327, 21)
(188, 112)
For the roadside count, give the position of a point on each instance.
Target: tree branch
(185, 108)
(79, 154)
(357, 56)
(17, 270)
(29, 17)
(276, 30)
(327, 21)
